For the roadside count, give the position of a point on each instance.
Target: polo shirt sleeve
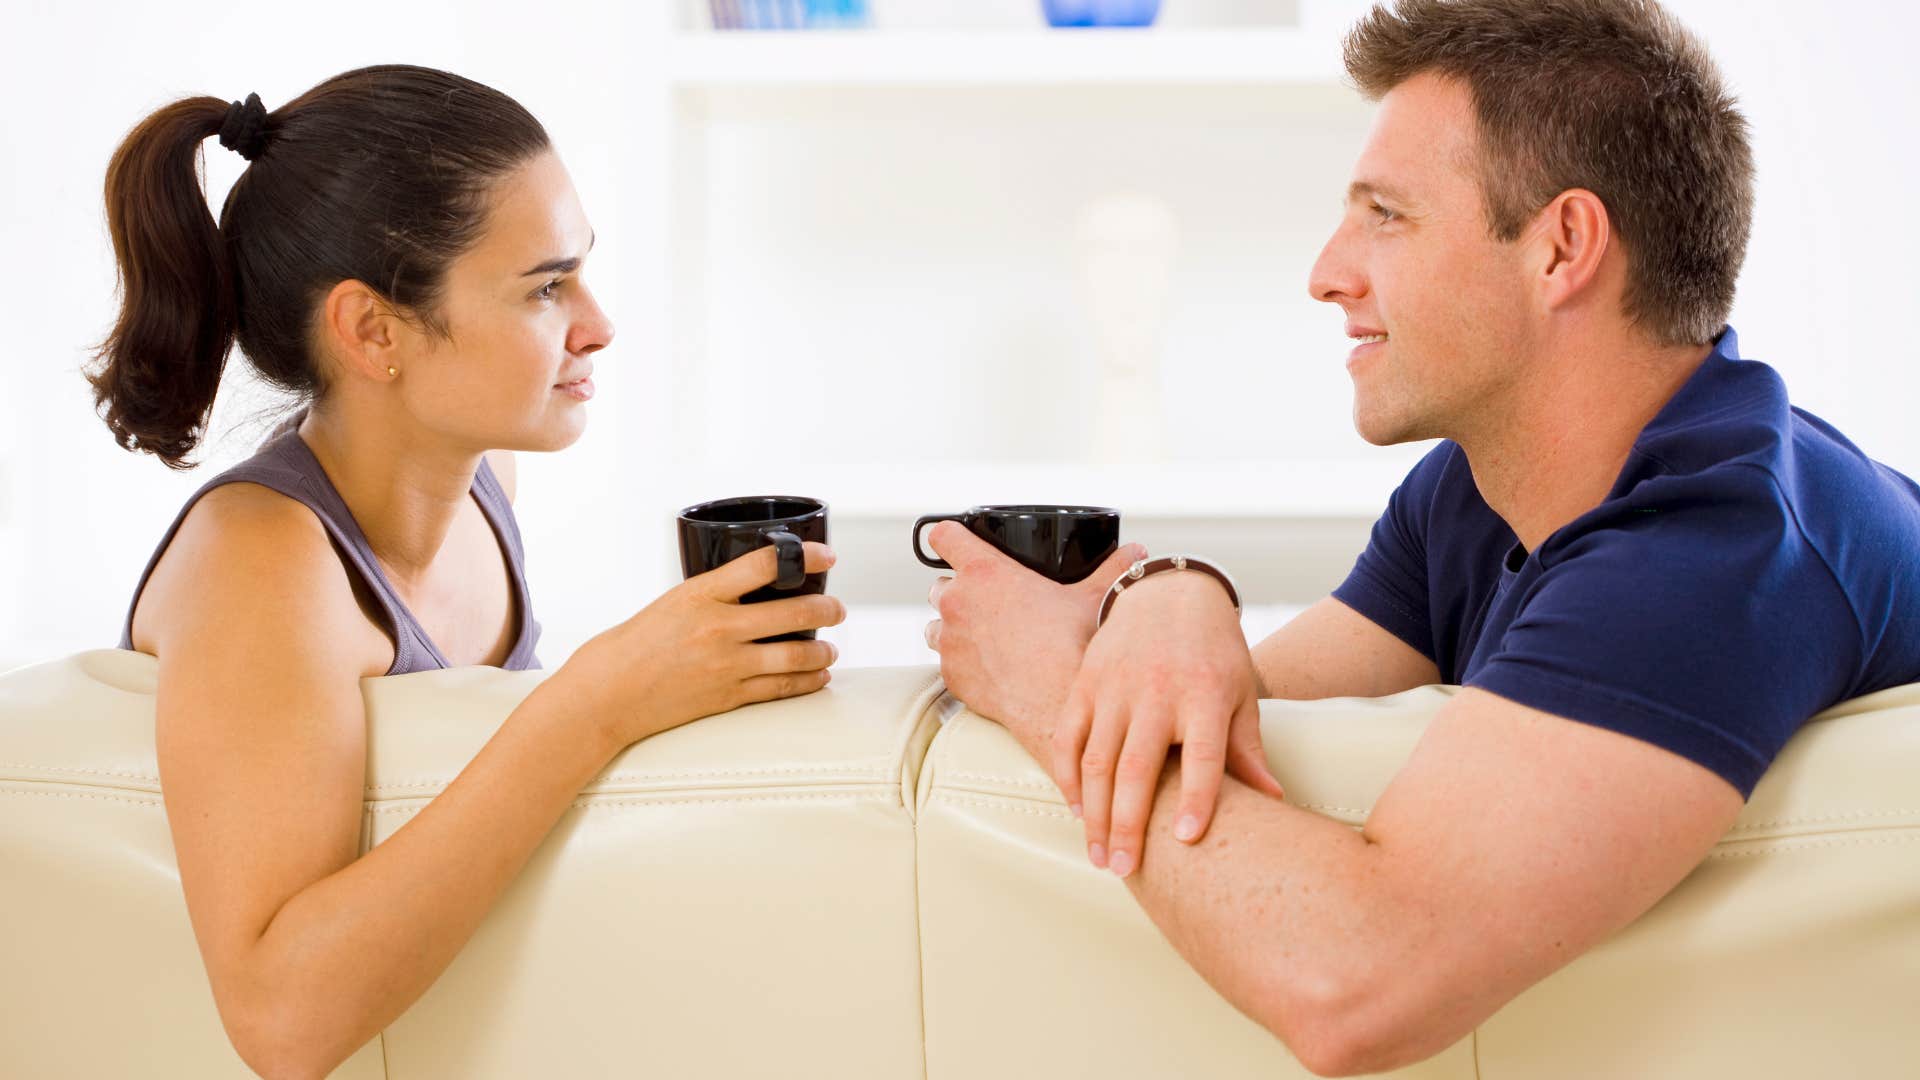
(1388, 583)
(1698, 618)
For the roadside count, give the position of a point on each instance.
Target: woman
(404, 250)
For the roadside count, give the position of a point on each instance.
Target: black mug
(718, 532)
(1064, 543)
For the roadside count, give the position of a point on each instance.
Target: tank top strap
(498, 511)
(286, 464)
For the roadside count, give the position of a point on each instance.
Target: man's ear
(1571, 237)
(359, 327)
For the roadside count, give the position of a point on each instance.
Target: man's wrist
(1174, 582)
(1146, 569)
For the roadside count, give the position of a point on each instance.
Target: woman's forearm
(345, 956)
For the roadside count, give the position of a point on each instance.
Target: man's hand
(1010, 640)
(1170, 666)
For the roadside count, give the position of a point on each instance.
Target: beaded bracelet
(1145, 567)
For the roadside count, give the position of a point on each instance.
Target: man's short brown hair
(1613, 96)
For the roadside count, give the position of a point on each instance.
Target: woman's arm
(312, 949)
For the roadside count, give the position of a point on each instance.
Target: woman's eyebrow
(561, 266)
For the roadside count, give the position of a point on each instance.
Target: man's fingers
(955, 544)
(1247, 755)
(1135, 782)
(1203, 760)
(730, 581)
(933, 594)
(932, 635)
(1069, 739)
(1102, 577)
(1097, 763)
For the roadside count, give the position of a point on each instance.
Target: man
(1644, 566)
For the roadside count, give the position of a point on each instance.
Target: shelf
(1235, 490)
(880, 58)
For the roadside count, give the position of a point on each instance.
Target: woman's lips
(579, 389)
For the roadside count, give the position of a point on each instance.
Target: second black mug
(1063, 543)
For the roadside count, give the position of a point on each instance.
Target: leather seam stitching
(1864, 815)
(994, 804)
(80, 772)
(861, 772)
(1791, 847)
(603, 803)
(153, 802)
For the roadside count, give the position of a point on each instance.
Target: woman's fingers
(757, 569)
(785, 685)
(777, 657)
(788, 615)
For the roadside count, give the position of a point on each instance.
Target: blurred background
(904, 256)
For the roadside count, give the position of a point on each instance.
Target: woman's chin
(559, 429)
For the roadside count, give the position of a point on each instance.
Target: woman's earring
(393, 372)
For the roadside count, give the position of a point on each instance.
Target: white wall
(78, 516)
(1831, 92)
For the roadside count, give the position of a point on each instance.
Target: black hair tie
(244, 130)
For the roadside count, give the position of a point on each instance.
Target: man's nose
(1336, 273)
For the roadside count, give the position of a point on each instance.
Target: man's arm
(1331, 650)
(1512, 842)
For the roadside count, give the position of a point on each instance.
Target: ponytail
(155, 376)
(378, 175)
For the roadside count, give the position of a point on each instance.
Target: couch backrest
(1792, 951)
(845, 885)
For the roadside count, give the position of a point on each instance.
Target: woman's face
(513, 370)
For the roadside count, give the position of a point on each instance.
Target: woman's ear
(362, 331)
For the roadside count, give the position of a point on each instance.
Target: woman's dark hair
(379, 175)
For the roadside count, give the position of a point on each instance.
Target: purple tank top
(286, 465)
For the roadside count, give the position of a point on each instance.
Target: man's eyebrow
(561, 266)
(1360, 189)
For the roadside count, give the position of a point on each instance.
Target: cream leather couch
(868, 883)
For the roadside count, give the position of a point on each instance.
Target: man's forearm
(1295, 919)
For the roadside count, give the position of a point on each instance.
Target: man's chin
(1384, 430)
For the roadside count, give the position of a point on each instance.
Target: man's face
(1438, 305)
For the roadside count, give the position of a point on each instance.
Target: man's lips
(1366, 340)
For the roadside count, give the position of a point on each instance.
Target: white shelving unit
(871, 278)
(1117, 58)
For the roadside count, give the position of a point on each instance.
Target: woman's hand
(692, 652)
(1170, 666)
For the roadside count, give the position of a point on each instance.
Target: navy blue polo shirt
(1749, 568)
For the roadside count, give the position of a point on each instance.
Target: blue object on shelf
(788, 14)
(1068, 13)
(1127, 12)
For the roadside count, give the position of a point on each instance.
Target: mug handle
(791, 557)
(918, 526)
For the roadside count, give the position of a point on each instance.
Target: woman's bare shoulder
(250, 562)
